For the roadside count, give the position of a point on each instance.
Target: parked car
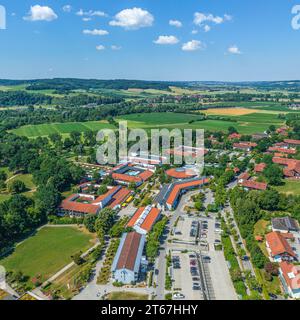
(195, 278)
(196, 286)
(192, 256)
(178, 295)
(193, 262)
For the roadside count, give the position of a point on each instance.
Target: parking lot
(186, 282)
(187, 230)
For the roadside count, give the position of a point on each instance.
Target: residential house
(289, 276)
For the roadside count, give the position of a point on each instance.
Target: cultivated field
(49, 250)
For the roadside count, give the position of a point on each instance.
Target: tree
(77, 258)
(274, 174)
(271, 268)
(89, 222)
(102, 190)
(232, 130)
(16, 187)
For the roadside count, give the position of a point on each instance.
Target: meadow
(46, 252)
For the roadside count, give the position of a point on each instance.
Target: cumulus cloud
(115, 48)
(67, 8)
(175, 23)
(194, 31)
(193, 45)
(100, 47)
(166, 40)
(95, 32)
(207, 28)
(91, 13)
(234, 50)
(41, 13)
(133, 19)
(200, 18)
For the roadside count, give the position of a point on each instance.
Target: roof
(285, 224)
(234, 136)
(144, 218)
(243, 145)
(119, 197)
(129, 251)
(146, 175)
(278, 244)
(282, 150)
(292, 166)
(79, 207)
(184, 185)
(292, 141)
(254, 185)
(260, 167)
(109, 193)
(181, 173)
(244, 176)
(291, 274)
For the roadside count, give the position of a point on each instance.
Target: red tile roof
(145, 175)
(181, 173)
(119, 197)
(278, 244)
(244, 145)
(234, 136)
(109, 193)
(126, 178)
(260, 167)
(149, 220)
(292, 141)
(254, 185)
(291, 274)
(129, 251)
(292, 166)
(179, 187)
(244, 176)
(282, 150)
(78, 206)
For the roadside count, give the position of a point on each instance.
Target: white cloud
(166, 40)
(207, 28)
(85, 19)
(194, 31)
(100, 47)
(133, 19)
(67, 8)
(40, 13)
(115, 48)
(91, 13)
(234, 50)
(193, 45)
(95, 32)
(175, 23)
(200, 18)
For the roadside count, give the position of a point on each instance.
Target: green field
(290, 187)
(46, 252)
(33, 131)
(245, 124)
(122, 295)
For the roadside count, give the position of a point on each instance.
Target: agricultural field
(46, 252)
(42, 130)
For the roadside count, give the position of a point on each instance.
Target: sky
(174, 40)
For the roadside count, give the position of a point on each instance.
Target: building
(292, 167)
(144, 219)
(254, 185)
(243, 177)
(282, 150)
(128, 173)
(292, 142)
(259, 168)
(129, 261)
(259, 136)
(145, 160)
(170, 194)
(285, 225)
(289, 276)
(182, 173)
(78, 205)
(245, 146)
(278, 247)
(234, 136)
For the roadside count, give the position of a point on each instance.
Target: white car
(178, 296)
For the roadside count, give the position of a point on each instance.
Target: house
(292, 167)
(245, 146)
(259, 136)
(289, 276)
(170, 194)
(285, 225)
(129, 261)
(292, 142)
(282, 131)
(145, 160)
(243, 177)
(253, 185)
(259, 168)
(144, 219)
(234, 136)
(282, 150)
(278, 247)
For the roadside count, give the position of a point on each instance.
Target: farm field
(237, 111)
(48, 251)
(33, 131)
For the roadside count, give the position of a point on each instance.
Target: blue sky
(226, 40)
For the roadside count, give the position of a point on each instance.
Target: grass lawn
(122, 295)
(4, 196)
(260, 229)
(290, 187)
(48, 251)
(26, 178)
